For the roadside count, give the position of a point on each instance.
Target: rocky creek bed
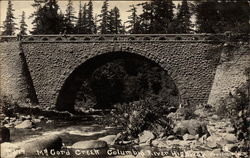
(31, 136)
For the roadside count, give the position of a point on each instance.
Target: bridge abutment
(15, 81)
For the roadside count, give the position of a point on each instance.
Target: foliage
(182, 21)
(91, 26)
(222, 16)
(126, 80)
(47, 19)
(23, 25)
(81, 25)
(236, 107)
(69, 18)
(8, 104)
(9, 24)
(114, 22)
(137, 116)
(103, 28)
(134, 23)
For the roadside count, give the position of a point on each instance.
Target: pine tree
(47, 19)
(91, 26)
(81, 25)
(134, 23)
(9, 24)
(234, 16)
(23, 25)
(183, 18)
(146, 18)
(207, 16)
(114, 22)
(162, 15)
(36, 15)
(69, 18)
(103, 28)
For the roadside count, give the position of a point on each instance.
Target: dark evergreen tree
(162, 15)
(219, 16)
(69, 18)
(9, 24)
(81, 25)
(134, 22)
(146, 18)
(234, 16)
(207, 16)
(47, 19)
(23, 25)
(36, 15)
(114, 22)
(157, 16)
(91, 26)
(103, 28)
(183, 21)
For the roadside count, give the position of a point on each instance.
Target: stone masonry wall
(51, 63)
(230, 73)
(13, 82)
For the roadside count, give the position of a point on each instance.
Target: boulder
(201, 113)
(230, 138)
(91, 144)
(188, 137)
(215, 139)
(146, 136)
(229, 129)
(10, 150)
(25, 124)
(192, 127)
(44, 142)
(231, 147)
(171, 137)
(5, 134)
(110, 139)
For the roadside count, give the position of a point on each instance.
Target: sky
(25, 5)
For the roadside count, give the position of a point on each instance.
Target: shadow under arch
(67, 95)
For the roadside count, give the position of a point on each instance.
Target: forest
(157, 17)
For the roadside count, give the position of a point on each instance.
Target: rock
(230, 130)
(230, 147)
(212, 145)
(90, 144)
(44, 142)
(230, 138)
(28, 117)
(5, 134)
(10, 150)
(171, 137)
(37, 120)
(192, 127)
(25, 124)
(110, 139)
(146, 136)
(217, 140)
(41, 117)
(200, 113)
(49, 121)
(215, 117)
(188, 137)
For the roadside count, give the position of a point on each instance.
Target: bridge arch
(67, 93)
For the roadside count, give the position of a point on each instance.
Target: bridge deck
(89, 38)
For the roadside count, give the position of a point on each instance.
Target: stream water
(75, 131)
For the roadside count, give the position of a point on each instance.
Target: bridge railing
(117, 38)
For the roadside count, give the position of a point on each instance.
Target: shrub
(137, 116)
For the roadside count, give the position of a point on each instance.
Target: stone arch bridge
(36, 67)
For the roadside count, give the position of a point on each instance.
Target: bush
(137, 116)
(236, 107)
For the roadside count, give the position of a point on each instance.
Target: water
(69, 131)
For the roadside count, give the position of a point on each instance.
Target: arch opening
(115, 78)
